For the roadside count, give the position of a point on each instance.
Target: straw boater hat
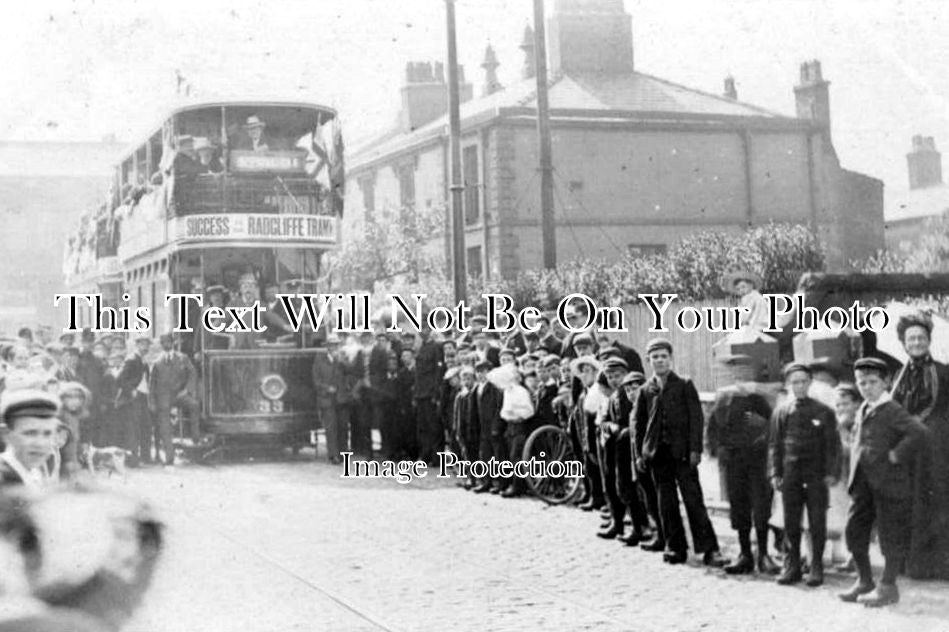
(730, 280)
(578, 363)
(254, 121)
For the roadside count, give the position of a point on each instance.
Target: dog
(110, 459)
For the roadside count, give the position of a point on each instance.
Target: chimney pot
(490, 65)
(730, 91)
(924, 163)
(529, 69)
(812, 96)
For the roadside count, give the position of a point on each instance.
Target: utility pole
(548, 227)
(459, 277)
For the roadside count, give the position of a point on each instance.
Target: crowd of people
(640, 430)
(641, 433)
(106, 394)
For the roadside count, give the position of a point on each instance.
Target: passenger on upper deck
(186, 163)
(207, 156)
(254, 138)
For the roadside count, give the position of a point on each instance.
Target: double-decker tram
(234, 201)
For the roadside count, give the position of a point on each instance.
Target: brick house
(639, 161)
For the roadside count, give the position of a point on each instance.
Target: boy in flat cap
(486, 413)
(30, 437)
(616, 460)
(885, 440)
(805, 449)
(668, 439)
(738, 428)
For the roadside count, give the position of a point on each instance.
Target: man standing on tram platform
(168, 383)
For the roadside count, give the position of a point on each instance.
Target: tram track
(269, 560)
(522, 581)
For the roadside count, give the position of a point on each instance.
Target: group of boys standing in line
(642, 437)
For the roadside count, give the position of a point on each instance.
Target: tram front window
(241, 277)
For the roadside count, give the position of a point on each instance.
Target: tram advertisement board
(264, 227)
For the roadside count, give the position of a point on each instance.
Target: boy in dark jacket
(885, 440)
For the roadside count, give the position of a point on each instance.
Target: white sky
(78, 70)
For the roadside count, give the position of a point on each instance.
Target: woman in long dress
(922, 387)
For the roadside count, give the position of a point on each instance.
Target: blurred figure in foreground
(85, 574)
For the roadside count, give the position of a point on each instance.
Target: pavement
(284, 546)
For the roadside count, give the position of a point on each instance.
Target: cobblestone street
(290, 546)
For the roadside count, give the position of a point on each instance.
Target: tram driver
(249, 294)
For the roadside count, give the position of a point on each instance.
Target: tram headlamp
(273, 386)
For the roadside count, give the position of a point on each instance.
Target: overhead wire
(584, 208)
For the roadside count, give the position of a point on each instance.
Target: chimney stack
(425, 93)
(812, 96)
(490, 65)
(590, 36)
(924, 162)
(527, 45)
(730, 91)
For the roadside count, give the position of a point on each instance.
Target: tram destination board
(255, 227)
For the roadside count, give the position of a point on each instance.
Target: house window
(646, 250)
(407, 187)
(474, 262)
(472, 183)
(367, 185)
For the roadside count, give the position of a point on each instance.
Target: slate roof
(904, 204)
(597, 93)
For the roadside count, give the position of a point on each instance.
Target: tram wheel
(551, 443)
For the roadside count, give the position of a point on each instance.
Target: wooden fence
(692, 350)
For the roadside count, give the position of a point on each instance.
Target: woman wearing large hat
(746, 285)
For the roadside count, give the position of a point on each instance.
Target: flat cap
(483, 365)
(657, 344)
(27, 403)
(845, 388)
(872, 364)
(607, 352)
(550, 361)
(215, 289)
(466, 370)
(531, 335)
(614, 363)
(583, 339)
(634, 378)
(795, 366)
(452, 372)
(74, 387)
(507, 351)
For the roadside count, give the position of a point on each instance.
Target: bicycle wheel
(549, 444)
